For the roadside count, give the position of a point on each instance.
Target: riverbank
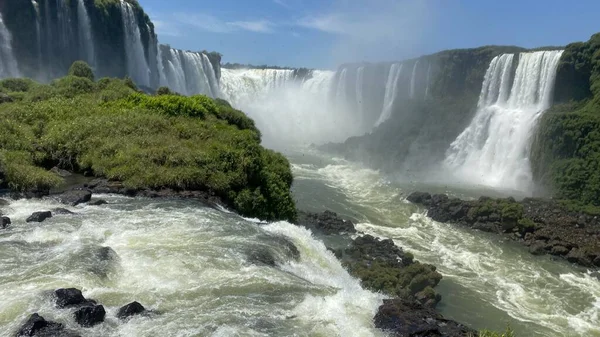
(544, 226)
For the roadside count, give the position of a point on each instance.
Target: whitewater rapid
(187, 262)
(487, 282)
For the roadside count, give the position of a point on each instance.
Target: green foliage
(487, 333)
(566, 149)
(512, 211)
(164, 91)
(81, 69)
(165, 141)
(16, 84)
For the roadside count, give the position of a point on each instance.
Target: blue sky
(325, 33)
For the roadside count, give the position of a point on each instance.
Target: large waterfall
(391, 90)
(494, 149)
(187, 72)
(86, 38)
(137, 66)
(8, 63)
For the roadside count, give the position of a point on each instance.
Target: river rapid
(194, 265)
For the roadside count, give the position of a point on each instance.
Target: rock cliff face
(116, 37)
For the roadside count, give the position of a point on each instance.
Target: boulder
(61, 172)
(403, 318)
(129, 310)
(62, 211)
(37, 326)
(263, 256)
(538, 248)
(4, 222)
(98, 202)
(75, 197)
(71, 297)
(4, 202)
(89, 316)
(420, 198)
(327, 223)
(39, 216)
(559, 250)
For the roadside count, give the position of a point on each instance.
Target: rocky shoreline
(544, 226)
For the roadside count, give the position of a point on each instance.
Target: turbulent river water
(193, 266)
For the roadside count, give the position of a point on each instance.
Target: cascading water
(360, 78)
(213, 82)
(428, 79)
(187, 72)
(86, 39)
(391, 90)
(137, 66)
(8, 63)
(341, 92)
(494, 149)
(413, 80)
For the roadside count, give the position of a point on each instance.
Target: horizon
(324, 34)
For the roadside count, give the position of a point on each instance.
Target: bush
(17, 84)
(81, 69)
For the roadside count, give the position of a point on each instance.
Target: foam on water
(189, 262)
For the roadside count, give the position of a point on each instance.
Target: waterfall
(427, 81)
(340, 94)
(213, 82)
(244, 85)
(86, 39)
(187, 73)
(391, 90)
(137, 66)
(319, 83)
(494, 149)
(360, 74)
(8, 63)
(413, 79)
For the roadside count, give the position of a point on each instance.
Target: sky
(325, 33)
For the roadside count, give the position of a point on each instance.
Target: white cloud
(260, 26)
(329, 23)
(164, 28)
(213, 24)
(284, 3)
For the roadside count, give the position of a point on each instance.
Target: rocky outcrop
(75, 197)
(401, 318)
(545, 226)
(4, 222)
(71, 298)
(327, 223)
(98, 202)
(90, 316)
(130, 310)
(37, 326)
(39, 216)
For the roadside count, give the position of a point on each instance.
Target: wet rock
(131, 309)
(538, 248)
(327, 223)
(98, 202)
(37, 326)
(578, 256)
(62, 211)
(486, 227)
(75, 197)
(4, 222)
(39, 216)
(559, 250)
(71, 297)
(4, 202)
(61, 172)
(89, 316)
(401, 318)
(419, 198)
(263, 256)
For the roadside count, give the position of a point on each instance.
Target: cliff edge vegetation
(107, 128)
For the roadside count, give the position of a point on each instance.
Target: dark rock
(61, 172)
(559, 250)
(263, 256)
(89, 316)
(39, 216)
(37, 326)
(98, 202)
(420, 198)
(131, 309)
(578, 256)
(486, 227)
(4, 222)
(403, 318)
(4, 202)
(327, 223)
(71, 297)
(62, 211)
(75, 197)
(538, 248)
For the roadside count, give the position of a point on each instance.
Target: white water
(487, 282)
(190, 263)
(413, 79)
(360, 74)
(494, 149)
(391, 90)
(8, 63)
(137, 65)
(428, 80)
(86, 39)
(288, 110)
(341, 91)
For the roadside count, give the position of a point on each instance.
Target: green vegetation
(566, 150)
(81, 69)
(167, 141)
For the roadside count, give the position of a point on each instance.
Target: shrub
(81, 69)
(17, 84)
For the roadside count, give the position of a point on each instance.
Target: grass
(487, 333)
(167, 141)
